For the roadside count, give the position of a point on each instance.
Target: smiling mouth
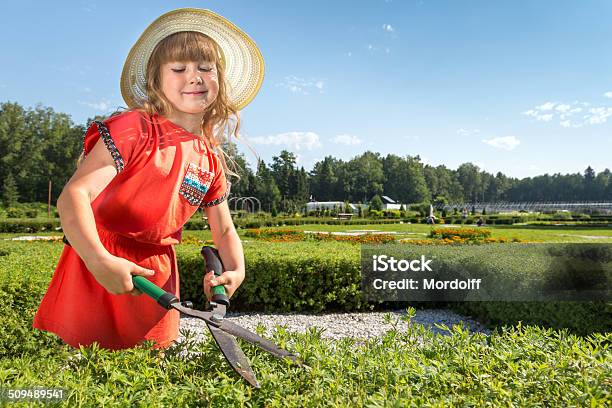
(195, 93)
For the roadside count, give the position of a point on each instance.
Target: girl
(144, 173)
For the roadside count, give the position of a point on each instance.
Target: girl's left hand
(230, 279)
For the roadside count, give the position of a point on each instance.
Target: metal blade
(237, 331)
(234, 355)
(257, 340)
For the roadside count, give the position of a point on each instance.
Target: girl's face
(187, 93)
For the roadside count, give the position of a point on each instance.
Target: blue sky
(521, 87)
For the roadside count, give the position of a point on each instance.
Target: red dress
(164, 175)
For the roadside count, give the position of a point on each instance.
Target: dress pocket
(195, 184)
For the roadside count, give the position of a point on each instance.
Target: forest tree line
(38, 145)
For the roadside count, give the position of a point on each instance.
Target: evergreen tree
(10, 195)
(266, 189)
(376, 203)
(589, 184)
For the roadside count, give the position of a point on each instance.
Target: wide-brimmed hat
(244, 64)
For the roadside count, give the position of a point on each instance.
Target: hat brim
(244, 64)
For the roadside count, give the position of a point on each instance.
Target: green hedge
(297, 276)
(18, 225)
(517, 366)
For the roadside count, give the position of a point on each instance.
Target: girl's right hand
(115, 274)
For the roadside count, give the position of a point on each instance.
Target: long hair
(221, 119)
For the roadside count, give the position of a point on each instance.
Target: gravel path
(339, 325)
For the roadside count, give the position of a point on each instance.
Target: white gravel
(336, 326)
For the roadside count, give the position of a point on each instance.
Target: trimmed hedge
(20, 225)
(297, 276)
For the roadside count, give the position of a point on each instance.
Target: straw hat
(244, 65)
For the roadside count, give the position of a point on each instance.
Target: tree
(242, 185)
(10, 195)
(603, 182)
(469, 177)
(405, 180)
(366, 176)
(416, 186)
(266, 189)
(590, 192)
(324, 179)
(283, 169)
(396, 177)
(448, 185)
(376, 203)
(302, 191)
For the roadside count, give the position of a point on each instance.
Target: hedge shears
(222, 330)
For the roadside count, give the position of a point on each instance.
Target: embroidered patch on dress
(195, 184)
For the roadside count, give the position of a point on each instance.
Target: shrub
(470, 234)
(13, 212)
(376, 203)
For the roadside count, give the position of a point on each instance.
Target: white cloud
(387, 28)
(505, 142)
(348, 140)
(350, 54)
(103, 105)
(562, 108)
(608, 94)
(598, 115)
(467, 132)
(294, 140)
(567, 116)
(546, 118)
(301, 85)
(547, 106)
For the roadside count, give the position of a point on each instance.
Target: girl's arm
(74, 203)
(78, 223)
(230, 250)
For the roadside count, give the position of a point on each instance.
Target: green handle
(165, 299)
(213, 262)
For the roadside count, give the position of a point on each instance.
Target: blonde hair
(221, 114)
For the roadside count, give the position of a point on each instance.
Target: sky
(521, 87)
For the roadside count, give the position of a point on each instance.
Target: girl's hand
(230, 279)
(115, 274)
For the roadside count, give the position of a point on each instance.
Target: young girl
(145, 172)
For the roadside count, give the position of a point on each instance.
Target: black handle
(213, 262)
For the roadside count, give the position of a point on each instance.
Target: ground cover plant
(519, 365)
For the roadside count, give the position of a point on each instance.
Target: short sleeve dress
(164, 175)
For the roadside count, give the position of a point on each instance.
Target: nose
(196, 79)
